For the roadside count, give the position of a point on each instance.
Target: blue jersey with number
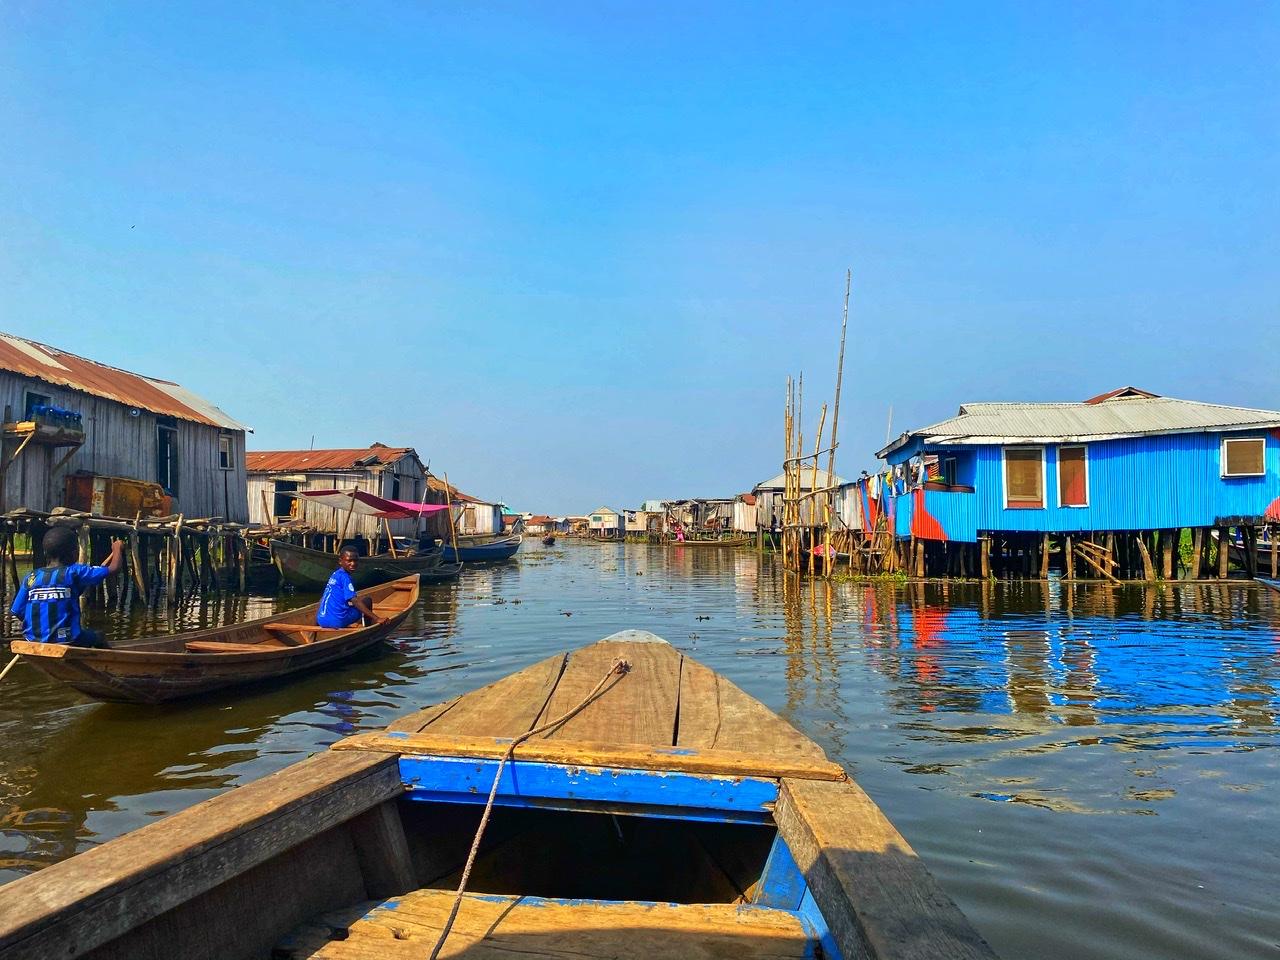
(335, 606)
(48, 602)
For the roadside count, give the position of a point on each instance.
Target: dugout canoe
(672, 817)
(310, 570)
(476, 550)
(157, 669)
(727, 542)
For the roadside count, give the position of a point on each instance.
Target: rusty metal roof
(41, 362)
(439, 486)
(302, 461)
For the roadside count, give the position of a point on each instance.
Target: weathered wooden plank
(88, 900)
(638, 708)
(876, 895)
(746, 724)
(494, 927)
(595, 754)
(419, 719)
(506, 708)
(698, 716)
(383, 851)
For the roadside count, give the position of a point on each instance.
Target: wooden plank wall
(376, 480)
(118, 445)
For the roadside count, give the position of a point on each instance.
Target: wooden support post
(920, 558)
(1044, 557)
(1197, 553)
(1166, 553)
(1250, 537)
(1224, 551)
(1275, 551)
(244, 552)
(984, 556)
(1069, 559)
(1148, 568)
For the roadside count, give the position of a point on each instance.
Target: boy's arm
(116, 559)
(19, 607)
(366, 608)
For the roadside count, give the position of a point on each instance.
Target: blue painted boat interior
(584, 835)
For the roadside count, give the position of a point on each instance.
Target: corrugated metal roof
(301, 461)
(806, 481)
(1002, 423)
(440, 486)
(30, 359)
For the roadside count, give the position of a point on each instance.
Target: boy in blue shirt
(340, 606)
(48, 602)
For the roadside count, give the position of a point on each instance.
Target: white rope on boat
(619, 669)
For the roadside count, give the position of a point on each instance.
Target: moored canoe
(157, 669)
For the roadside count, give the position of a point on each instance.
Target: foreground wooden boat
(156, 669)
(672, 817)
(483, 550)
(310, 569)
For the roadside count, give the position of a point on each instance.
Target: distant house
(395, 473)
(65, 415)
(1127, 460)
(745, 513)
(606, 523)
(768, 494)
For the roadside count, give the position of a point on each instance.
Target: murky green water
(1090, 772)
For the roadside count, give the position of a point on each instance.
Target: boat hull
(310, 570)
(493, 552)
(711, 544)
(161, 669)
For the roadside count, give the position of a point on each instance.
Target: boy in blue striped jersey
(48, 602)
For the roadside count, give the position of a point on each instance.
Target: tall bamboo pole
(813, 485)
(835, 413)
(453, 529)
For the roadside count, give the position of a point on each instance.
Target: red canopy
(370, 505)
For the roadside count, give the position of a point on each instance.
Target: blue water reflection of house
(1123, 461)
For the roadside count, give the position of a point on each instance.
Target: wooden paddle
(6, 670)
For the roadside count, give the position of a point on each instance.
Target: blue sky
(571, 252)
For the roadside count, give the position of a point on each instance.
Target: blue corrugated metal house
(1124, 461)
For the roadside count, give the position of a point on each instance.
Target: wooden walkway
(501, 928)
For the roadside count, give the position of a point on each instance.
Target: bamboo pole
(817, 443)
(453, 528)
(391, 545)
(835, 413)
(337, 546)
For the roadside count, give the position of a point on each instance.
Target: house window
(1245, 457)
(949, 471)
(167, 454)
(1024, 477)
(33, 401)
(395, 488)
(1073, 477)
(225, 460)
(282, 509)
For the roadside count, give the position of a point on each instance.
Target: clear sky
(570, 252)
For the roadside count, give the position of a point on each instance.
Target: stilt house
(1124, 462)
(473, 516)
(396, 473)
(74, 428)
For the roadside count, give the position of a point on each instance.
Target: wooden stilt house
(77, 429)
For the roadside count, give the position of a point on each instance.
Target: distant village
(1123, 485)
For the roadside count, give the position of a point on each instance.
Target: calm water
(1089, 772)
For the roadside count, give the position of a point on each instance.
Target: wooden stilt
(1275, 552)
(1197, 553)
(1166, 553)
(1224, 551)
(984, 556)
(1148, 568)
(1068, 559)
(1044, 557)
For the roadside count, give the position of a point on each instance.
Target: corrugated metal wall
(120, 445)
(1140, 483)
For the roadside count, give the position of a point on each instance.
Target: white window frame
(1222, 464)
(1073, 446)
(225, 439)
(1004, 477)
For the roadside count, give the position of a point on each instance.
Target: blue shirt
(335, 606)
(48, 602)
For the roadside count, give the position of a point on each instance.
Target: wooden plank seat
(217, 646)
(500, 927)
